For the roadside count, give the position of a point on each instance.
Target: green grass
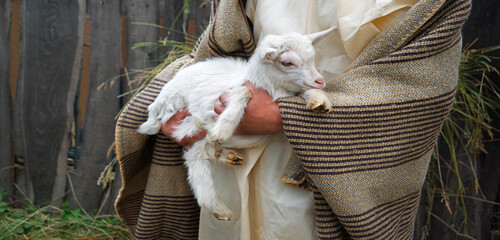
(56, 223)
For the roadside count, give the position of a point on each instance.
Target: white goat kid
(283, 65)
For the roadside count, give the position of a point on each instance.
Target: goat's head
(289, 60)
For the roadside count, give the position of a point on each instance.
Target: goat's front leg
(317, 100)
(230, 118)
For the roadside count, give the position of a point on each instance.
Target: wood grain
(200, 13)
(139, 59)
(6, 158)
(47, 53)
(102, 105)
(171, 11)
(59, 188)
(24, 189)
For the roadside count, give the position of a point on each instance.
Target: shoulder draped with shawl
(365, 161)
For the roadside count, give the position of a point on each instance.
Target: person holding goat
(355, 172)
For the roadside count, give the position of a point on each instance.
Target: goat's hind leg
(230, 118)
(218, 153)
(226, 153)
(201, 180)
(227, 156)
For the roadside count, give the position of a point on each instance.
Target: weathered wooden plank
(6, 160)
(483, 19)
(59, 188)
(200, 14)
(102, 105)
(138, 59)
(481, 214)
(14, 6)
(134, 11)
(171, 13)
(23, 189)
(49, 35)
(5, 14)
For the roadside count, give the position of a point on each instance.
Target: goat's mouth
(315, 86)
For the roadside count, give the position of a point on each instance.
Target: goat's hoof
(318, 101)
(214, 139)
(222, 218)
(320, 108)
(234, 158)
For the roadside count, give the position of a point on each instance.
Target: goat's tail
(150, 127)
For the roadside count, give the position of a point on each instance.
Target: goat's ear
(269, 55)
(315, 37)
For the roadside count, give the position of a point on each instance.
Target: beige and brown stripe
(365, 161)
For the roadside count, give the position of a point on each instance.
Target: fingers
(221, 104)
(168, 127)
(219, 107)
(180, 115)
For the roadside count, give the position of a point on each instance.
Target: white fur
(283, 65)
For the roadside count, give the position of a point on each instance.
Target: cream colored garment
(264, 207)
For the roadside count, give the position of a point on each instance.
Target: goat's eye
(287, 64)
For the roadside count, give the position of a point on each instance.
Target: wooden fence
(56, 126)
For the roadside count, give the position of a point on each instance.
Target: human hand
(168, 127)
(262, 114)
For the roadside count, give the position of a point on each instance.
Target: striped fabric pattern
(365, 161)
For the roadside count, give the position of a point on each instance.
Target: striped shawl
(365, 161)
